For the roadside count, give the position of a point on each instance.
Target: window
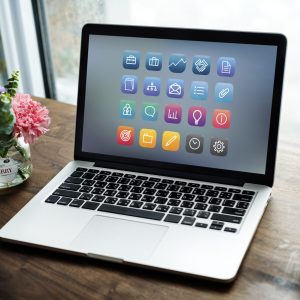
(3, 73)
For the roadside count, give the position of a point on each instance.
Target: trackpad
(120, 239)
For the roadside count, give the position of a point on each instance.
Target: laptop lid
(195, 103)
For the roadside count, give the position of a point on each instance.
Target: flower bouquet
(22, 121)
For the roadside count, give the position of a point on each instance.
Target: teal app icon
(223, 92)
(150, 111)
(127, 109)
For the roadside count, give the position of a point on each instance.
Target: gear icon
(219, 146)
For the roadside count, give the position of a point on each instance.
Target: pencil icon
(171, 140)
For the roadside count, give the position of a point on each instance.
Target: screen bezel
(278, 40)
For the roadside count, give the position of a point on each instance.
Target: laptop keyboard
(175, 201)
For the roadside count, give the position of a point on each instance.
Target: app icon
(147, 138)
(127, 109)
(199, 90)
(218, 146)
(151, 86)
(171, 141)
(194, 143)
(175, 88)
(224, 92)
(177, 63)
(129, 84)
(201, 65)
(221, 118)
(173, 113)
(150, 111)
(226, 66)
(153, 61)
(125, 135)
(197, 116)
(131, 59)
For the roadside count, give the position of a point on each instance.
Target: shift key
(227, 218)
(66, 193)
(233, 211)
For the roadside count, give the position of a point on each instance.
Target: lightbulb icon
(197, 115)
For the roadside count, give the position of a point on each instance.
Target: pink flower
(32, 118)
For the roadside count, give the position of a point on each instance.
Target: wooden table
(271, 269)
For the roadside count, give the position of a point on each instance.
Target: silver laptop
(175, 149)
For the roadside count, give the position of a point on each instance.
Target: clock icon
(194, 143)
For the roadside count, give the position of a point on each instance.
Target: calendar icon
(153, 61)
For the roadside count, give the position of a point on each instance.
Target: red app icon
(125, 135)
(221, 118)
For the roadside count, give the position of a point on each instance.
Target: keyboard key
(124, 180)
(110, 193)
(220, 188)
(162, 193)
(100, 177)
(155, 179)
(98, 198)
(234, 211)
(211, 193)
(241, 197)
(124, 188)
(169, 181)
(187, 204)
(188, 197)
(90, 205)
(173, 188)
(140, 213)
(189, 212)
(122, 195)
(246, 192)
(135, 196)
(175, 195)
(112, 179)
(229, 203)
(216, 225)
(202, 199)
(52, 199)
(148, 191)
(64, 201)
(198, 191)
(69, 186)
(160, 200)
(112, 186)
(160, 186)
(88, 182)
(162, 208)
(176, 210)
(216, 201)
(142, 177)
(76, 203)
(227, 218)
(129, 176)
(147, 198)
(230, 229)
(88, 175)
(77, 174)
(214, 208)
(66, 193)
(188, 221)
(136, 182)
(111, 200)
(234, 190)
(225, 195)
(74, 180)
(148, 184)
(100, 184)
(207, 187)
(85, 189)
(149, 206)
(118, 174)
(81, 169)
(201, 225)
(136, 204)
(174, 202)
(200, 206)
(242, 204)
(93, 171)
(186, 189)
(192, 184)
(203, 214)
(86, 196)
(137, 189)
(105, 172)
(97, 191)
(180, 182)
(123, 202)
(172, 218)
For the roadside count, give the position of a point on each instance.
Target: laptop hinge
(170, 173)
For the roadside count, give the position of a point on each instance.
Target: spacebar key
(131, 212)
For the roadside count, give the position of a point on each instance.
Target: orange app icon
(221, 118)
(125, 135)
(147, 138)
(171, 141)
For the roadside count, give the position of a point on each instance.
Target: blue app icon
(129, 84)
(151, 86)
(127, 109)
(153, 61)
(175, 88)
(226, 66)
(223, 92)
(131, 59)
(177, 63)
(199, 90)
(201, 65)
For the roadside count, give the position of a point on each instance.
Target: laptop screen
(196, 103)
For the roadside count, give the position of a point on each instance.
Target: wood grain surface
(271, 269)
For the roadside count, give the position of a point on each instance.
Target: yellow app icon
(171, 141)
(147, 138)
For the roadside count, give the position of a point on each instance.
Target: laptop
(175, 148)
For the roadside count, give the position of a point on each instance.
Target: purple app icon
(173, 113)
(197, 116)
